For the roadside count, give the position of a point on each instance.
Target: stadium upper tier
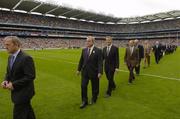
(9, 17)
(46, 9)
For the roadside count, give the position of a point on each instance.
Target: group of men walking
(20, 75)
(91, 66)
(93, 59)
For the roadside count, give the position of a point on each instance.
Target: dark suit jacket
(133, 58)
(157, 50)
(141, 51)
(21, 75)
(91, 65)
(112, 60)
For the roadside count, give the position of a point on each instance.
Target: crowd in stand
(38, 43)
(39, 20)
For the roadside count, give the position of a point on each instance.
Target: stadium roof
(31, 6)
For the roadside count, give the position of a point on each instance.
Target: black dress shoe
(83, 105)
(113, 88)
(92, 102)
(107, 96)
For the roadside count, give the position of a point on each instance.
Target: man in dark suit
(131, 59)
(157, 51)
(111, 63)
(141, 56)
(91, 68)
(19, 79)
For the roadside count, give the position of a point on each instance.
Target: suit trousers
(157, 58)
(137, 68)
(84, 87)
(131, 73)
(111, 83)
(23, 111)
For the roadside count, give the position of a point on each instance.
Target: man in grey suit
(91, 68)
(19, 79)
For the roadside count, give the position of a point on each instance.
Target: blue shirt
(15, 54)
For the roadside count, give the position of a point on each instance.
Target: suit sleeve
(125, 56)
(7, 78)
(137, 57)
(142, 51)
(81, 62)
(153, 48)
(29, 73)
(100, 62)
(103, 52)
(117, 58)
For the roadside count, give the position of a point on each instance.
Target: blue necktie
(11, 61)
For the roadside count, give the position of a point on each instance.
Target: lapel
(133, 50)
(92, 53)
(129, 51)
(9, 63)
(16, 61)
(109, 50)
(105, 51)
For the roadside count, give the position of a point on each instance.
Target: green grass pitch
(58, 89)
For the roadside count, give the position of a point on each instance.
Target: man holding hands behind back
(19, 79)
(91, 68)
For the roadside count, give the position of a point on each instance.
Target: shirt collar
(109, 46)
(91, 47)
(16, 53)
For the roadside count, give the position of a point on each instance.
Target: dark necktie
(88, 53)
(108, 49)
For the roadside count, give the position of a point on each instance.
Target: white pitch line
(58, 59)
(150, 75)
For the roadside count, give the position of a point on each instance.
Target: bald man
(19, 79)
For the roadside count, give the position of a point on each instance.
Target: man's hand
(9, 86)
(78, 72)
(4, 84)
(99, 75)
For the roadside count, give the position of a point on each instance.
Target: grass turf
(58, 90)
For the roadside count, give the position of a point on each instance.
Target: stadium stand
(42, 30)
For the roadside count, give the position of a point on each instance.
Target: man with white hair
(91, 68)
(157, 51)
